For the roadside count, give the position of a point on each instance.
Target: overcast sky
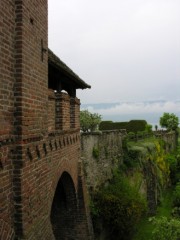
(127, 50)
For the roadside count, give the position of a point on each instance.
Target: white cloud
(138, 108)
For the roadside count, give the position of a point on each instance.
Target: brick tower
(42, 186)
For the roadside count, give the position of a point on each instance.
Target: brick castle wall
(31, 68)
(35, 149)
(7, 30)
(51, 111)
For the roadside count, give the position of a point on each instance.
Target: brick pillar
(77, 113)
(62, 111)
(72, 112)
(51, 110)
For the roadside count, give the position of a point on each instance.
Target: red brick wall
(34, 152)
(7, 19)
(31, 73)
(51, 111)
(72, 113)
(6, 194)
(77, 113)
(31, 98)
(43, 164)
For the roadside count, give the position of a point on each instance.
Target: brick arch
(64, 165)
(64, 208)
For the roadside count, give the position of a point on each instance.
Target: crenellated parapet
(63, 111)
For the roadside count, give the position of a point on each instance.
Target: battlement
(63, 111)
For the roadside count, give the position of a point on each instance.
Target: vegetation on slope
(117, 208)
(166, 223)
(120, 209)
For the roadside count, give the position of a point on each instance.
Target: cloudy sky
(127, 50)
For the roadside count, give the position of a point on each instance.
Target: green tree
(89, 121)
(170, 121)
(165, 229)
(148, 128)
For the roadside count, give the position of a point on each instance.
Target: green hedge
(131, 126)
(136, 126)
(105, 125)
(109, 125)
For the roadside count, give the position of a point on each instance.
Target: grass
(145, 228)
(166, 205)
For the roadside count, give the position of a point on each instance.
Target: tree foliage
(170, 121)
(148, 128)
(176, 195)
(166, 229)
(89, 121)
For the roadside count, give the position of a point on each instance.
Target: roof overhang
(56, 63)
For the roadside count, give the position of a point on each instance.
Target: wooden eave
(55, 62)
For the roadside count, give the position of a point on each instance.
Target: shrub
(136, 125)
(173, 164)
(120, 207)
(131, 135)
(140, 134)
(176, 212)
(109, 125)
(95, 152)
(176, 195)
(165, 229)
(131, 157)
(148, 128)
(105, 125)
(131, 126)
